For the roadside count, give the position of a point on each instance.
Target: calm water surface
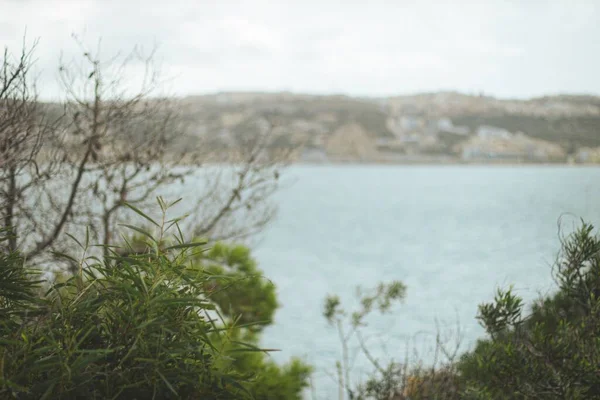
(451, 234)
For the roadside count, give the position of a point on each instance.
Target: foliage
(553, 353)
(407, 381)
(381, 298)
(130, 326)
(141, 321)
(265, 378)
(571, 132)
(238, 287)
(433, 384)
(248, 301)
(245, 302)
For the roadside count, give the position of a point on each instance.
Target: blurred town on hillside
(445, 127)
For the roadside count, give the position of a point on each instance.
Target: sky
(507, 49)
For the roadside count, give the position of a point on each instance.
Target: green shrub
(157, 318)
(265, 378)
(238, 286)
(554, 353)
(134, 326)
(245, 302)
(18, 289)
(248, 301)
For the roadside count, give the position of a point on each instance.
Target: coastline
(455, 163)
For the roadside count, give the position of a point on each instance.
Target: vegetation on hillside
(570, 132)
(311, 122)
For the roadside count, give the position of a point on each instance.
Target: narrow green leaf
(48, 391)
(63, 255)
(130, 351)
(161, 203)
(139, 212)
(186, 245)
(84, 336)
(250, 347)
(237, 385)
(175, 202)
(74, 239)
(175, 221)
(253, 350)
(167, 383)
(8, 342)
(138, 230)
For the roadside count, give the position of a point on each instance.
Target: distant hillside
(571, 132)
(443, 127)
(429, 127)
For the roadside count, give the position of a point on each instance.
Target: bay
(452, 234)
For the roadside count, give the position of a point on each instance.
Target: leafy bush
(248, 301)
(134, 326)
(238, 286)
(245, 302)
(433, 384)
(265, 378)
(554, 353)
(157, 318)
(18, 289)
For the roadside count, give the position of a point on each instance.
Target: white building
(492, 132)
(409, 123)
(446, 125)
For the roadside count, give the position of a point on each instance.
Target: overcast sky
(374, 48)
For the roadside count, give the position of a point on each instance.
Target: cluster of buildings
(415, 137)
(416, 128)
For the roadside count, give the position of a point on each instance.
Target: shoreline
(409, 162)
(445, 163)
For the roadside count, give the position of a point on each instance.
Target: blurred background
(445, 145)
